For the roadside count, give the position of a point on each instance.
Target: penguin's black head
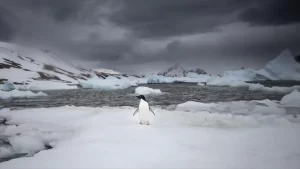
(141, 97)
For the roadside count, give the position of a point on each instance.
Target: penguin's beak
(137, 96)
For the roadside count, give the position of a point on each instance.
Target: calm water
(175, 94)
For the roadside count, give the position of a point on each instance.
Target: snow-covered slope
(40, 69)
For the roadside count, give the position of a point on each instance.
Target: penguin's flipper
(135, 111)
(151, 111)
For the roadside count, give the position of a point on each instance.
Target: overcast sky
(144, 35)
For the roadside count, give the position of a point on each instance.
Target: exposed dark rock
(19, 83)
(297, 58)
(31, 60)
(3, 80)
(8, 64)
(20, 57)
(198, 71)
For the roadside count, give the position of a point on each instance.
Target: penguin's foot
(144, 122)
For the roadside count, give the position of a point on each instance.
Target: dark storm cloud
(7, 29)
(60, 10)
(132, 32)
(273, 12)
(157, 18)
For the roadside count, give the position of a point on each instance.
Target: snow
(109, 71)
(291, 99)
(142, 90)
(30, 65)
(26, 144)
(8, 86)
(20, 94)
(110, 83)
(194, 135)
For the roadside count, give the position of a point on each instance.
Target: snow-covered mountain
(177, 71)
(42, 69)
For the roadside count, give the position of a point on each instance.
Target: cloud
(7, 29)
(272, 12)
(158, 18)
(214, 35)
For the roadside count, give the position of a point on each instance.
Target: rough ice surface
(109, 83)
(20, 94)
(194, 135)
(8, 86)
(291, 99)
(26, 144)
(142, 90)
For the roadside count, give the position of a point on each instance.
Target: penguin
(144, 111)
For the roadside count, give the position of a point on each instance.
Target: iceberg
(20, 94)
(291, 99)
(8, 86)
(283, 67)
(110, 83)
(142, 90)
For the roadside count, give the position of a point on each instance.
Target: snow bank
(108, 137)
(190, 136)
(142, 90)
(292, 99)
(26, 144)
(263, 107)
(8, 86)
(109, 83)
(20, 94)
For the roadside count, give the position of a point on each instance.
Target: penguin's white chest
(144, 113)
